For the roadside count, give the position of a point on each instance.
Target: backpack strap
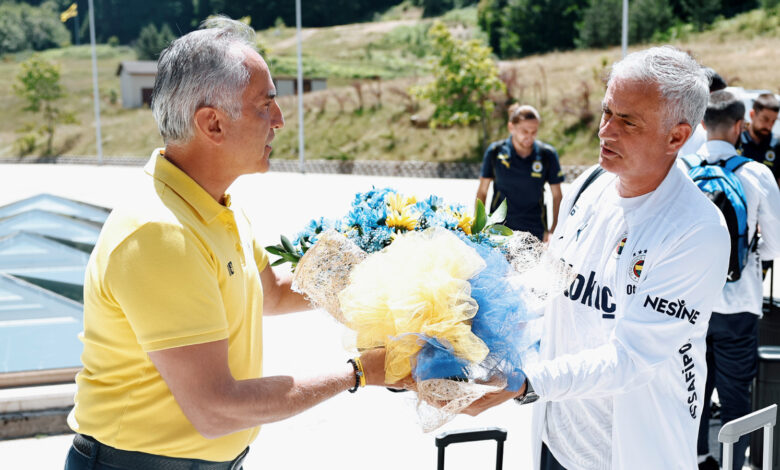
(691, 160)
(735, 162)
(732, 164)
(588, 181)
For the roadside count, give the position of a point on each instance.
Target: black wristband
(357, 376)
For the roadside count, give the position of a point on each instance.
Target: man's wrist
(528, 395)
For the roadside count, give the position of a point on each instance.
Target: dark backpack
(723, 188)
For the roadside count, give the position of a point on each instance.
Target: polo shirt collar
(182, 184)
(514, 153)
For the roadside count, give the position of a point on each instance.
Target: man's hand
(492, 399)
(374, 367)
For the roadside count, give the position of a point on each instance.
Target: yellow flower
(398, 202)
(404, 219)
(464, 222)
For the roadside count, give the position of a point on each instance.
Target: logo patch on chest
(637, 263)
(770, 156)
(621, 244)
(504, 159)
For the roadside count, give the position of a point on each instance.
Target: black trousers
(548, 461)
(86, 453)
(732, 361)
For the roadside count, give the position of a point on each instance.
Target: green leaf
(499, 215)
(287, 245)
(290, 257)
(275, 250)
(479, 217)
(498, 229)
(278, 262)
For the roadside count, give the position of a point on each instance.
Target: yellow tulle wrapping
(417, 285)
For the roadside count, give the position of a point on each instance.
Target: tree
(151, 41)
(25, 27)
(38, 83)
(701, 12)
(489, 19)
(464, 76)
(602, 22)
(521, 27)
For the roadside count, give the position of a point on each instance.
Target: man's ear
(677, 137)
(209, 122)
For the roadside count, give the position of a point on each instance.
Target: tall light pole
(95, 93)
(625, 27)
(300, 85)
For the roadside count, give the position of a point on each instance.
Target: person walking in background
(699, 136)
(732, 336)
(757, 142)
(518, 167)
(176, 286)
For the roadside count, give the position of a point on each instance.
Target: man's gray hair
(680, 79)
(203, 68)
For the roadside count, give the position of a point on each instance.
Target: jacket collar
(182, 184)
(659, 199)
(715, 150)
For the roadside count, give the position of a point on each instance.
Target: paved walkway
(373, 428)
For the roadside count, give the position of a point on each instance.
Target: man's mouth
(607, 152)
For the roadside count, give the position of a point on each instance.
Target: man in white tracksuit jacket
(732, 338)
(623, 364)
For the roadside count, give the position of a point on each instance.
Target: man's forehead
(631, 96)
(261, 83)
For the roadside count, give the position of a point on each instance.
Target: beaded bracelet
(359, 374)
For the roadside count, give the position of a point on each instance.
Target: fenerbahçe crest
(637, 263)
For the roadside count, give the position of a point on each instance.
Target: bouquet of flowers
(452, 296)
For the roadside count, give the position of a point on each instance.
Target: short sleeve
(555, 174)
(261, 256)
(487, 162)
(166, 283)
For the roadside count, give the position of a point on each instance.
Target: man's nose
(607, 129)
(277, 122)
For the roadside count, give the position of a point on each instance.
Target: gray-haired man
(623, 353)
(176, 286)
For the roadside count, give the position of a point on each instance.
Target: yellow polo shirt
(171, 268)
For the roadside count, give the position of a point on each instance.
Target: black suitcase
(472, 435)
(769, 325)
(766, 392)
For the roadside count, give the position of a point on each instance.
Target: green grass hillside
(367, 113)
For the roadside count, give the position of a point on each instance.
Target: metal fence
(407, 169)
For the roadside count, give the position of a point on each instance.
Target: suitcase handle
(733, 430)
(471, 435)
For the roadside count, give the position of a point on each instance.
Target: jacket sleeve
(768, 215)
(672, 304)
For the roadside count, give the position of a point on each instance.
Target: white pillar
(96, 92)
(300, 86)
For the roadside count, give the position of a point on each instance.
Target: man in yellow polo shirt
(176, 286)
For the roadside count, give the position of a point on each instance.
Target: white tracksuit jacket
(622, 369)
(763, 208)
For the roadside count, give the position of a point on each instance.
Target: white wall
(131, 86)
